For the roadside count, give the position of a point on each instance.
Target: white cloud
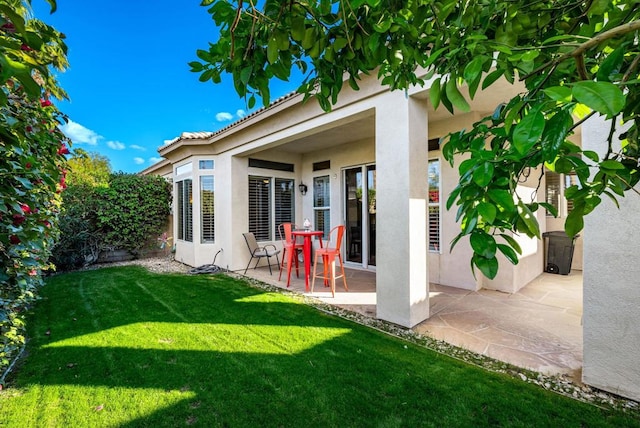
(167, 142)
(241, 113)
(116, 145)
(138, 161)
(79, 134)
(224, 116)
(137, 147)
(154, 160)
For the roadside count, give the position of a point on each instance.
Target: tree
(577, 59)
(88, 168)
(32, 162)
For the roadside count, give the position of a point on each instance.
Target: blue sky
(129, 84)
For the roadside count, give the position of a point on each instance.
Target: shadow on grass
(234, 355)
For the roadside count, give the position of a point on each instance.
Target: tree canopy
(576, 59)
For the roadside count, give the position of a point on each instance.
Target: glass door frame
(364, 215)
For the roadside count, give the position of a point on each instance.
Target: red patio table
(306, 250)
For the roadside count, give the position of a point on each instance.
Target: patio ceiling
(326, 137)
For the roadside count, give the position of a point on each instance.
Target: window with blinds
(184, 190)
(552, 190)
(555, 186)
(271, 202)
(284, 201)
(207, 213)
(260, 207)
(321, 204)
(434, 204)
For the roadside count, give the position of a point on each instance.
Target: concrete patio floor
(539, 328)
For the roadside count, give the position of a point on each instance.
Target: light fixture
(303, 188)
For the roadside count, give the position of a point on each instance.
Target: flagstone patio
(538, 328)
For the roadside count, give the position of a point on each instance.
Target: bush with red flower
(32, 162)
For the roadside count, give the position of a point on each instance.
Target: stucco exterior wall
(611, 290)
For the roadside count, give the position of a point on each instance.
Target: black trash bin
(559, 252)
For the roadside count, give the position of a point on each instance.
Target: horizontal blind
(434, 204)
(185, 210)
(260, 207)
(321, 204)
(284, 201)
(434, 228)
(552, 189)
(207, 211)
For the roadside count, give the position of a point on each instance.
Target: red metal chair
(329, 253)
(290, 250)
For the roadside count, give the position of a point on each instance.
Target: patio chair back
(258, 252)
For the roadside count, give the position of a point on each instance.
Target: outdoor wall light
(303, 188)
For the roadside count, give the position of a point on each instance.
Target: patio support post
(611, 337)
(402, 286)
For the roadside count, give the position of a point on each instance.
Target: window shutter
(207, 212)
(260, 207)
(284, 201)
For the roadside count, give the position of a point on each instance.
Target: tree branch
(596, 40)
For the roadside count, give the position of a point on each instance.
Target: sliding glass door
(360, 214)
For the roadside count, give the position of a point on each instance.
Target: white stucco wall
(611, 309)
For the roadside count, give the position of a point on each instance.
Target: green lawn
(125, 347)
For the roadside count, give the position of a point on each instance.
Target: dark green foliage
(576, 59)
(127, 213)
(32, 163)
(132, 209)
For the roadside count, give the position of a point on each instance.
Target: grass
(124, 347)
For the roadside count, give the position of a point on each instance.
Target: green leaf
(611, 65)
(529, 219)
(488, 267)
(574, 222)
(434, 93)
(483, 174)
(452, 197)
(456, 98)
(502, 198)
(611, 165)
(487, 211)
(272, 50)
(555, 133)
(474, 69)
(603, 97)
(245, 74)
(509, 253)
(558, 93)
(491, 78)
(528, 131)
(483, 244)
(512, 242)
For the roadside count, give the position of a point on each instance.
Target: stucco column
(402, 285)
(611, 312)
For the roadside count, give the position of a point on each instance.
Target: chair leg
(284, 252)
(315, 264)
(269, 263)
(250, 260)
(344, 277)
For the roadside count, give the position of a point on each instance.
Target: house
(373, 163)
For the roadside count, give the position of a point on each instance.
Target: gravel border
(562, 385)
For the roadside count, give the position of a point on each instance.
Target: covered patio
(539, 327)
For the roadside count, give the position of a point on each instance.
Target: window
(284, 201)
(321, 204)
(271, 202)
(207, 217)
(555, 185)
(185, 210)
(184, 169)
(434, 204)
(205, 164)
